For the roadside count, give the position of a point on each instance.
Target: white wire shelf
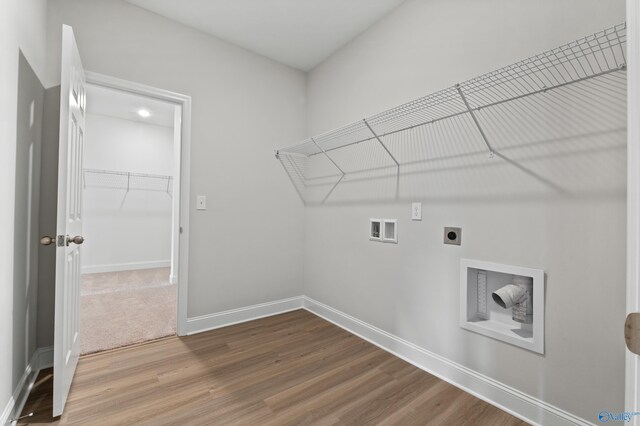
(127, 181)
(589, 57)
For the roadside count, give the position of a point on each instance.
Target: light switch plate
(416, 211)
(201, 202)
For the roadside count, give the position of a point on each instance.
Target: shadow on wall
(564, 143)
(25, 280)
(48, 215)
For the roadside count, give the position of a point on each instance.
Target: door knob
(47, 241)
(632, 332)
(75, 240)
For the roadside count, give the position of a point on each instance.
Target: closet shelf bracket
(375, 135)
(475, 120)
(329, 158)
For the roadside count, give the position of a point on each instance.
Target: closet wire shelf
(586, 58)
(128, 181)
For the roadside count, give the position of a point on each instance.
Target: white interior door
(69, 222)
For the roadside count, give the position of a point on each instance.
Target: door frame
(181, 181)
(632, 361)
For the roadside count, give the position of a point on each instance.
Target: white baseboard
(42, 358)
(45, 357)
(236, 316)
(519, 404)
(131, 266)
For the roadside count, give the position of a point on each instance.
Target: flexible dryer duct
(517, 296)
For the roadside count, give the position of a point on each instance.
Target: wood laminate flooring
(293, 368)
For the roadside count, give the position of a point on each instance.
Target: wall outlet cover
(416, 211)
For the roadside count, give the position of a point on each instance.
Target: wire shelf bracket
(380, 141)
(328, 157)
(475, 120)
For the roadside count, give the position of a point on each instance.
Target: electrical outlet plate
(416, 211)
(453, 235)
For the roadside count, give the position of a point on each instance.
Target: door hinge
(632, 332)
(61, 241)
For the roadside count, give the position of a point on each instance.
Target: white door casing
(181, 197)
(69, 221)
(632, 361)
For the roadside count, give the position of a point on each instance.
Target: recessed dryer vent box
(503, 302)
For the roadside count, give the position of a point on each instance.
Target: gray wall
(48, 215)
(247, 247)
(22, 28)
(558, 205)
(27, 193)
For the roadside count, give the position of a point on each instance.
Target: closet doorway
(129, 277)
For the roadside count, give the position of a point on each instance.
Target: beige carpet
(122, 308)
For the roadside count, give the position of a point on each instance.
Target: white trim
(131, 266)
(45, 357)
(182, 179)
(42, 358)
(511, 400)
(8, 409)
(632, 361)
(240, 315)
(175, 202)
(19, 397)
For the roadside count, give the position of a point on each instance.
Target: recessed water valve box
(503, 302)
(452, 235)
(390, 231)
(375, 229)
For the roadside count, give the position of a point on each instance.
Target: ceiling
(298, 33)
(115, 103)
